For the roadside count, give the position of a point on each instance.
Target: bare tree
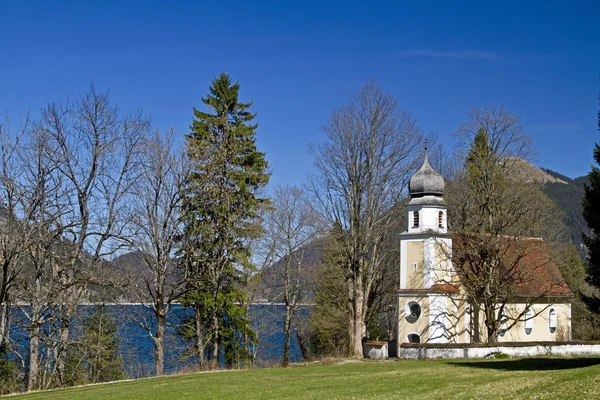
(39, 189)
(14, 237)
(158, 195)
(291, 226)
(96, 152)
(362, 170)
(493, 211)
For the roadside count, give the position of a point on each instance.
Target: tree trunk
(246, 337)
(34, 348)
(475, 310)
(287, 330)
(65, 325)
(359, 327)
(199, 334)
(159, 343)
(3, 322)
(357, 324)
(214, 327)
(490, 323)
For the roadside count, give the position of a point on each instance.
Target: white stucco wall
(447, 352)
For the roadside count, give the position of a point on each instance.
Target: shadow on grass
(532, 364)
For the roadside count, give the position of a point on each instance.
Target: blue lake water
(137, 348)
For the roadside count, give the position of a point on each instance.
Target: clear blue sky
(298, 60)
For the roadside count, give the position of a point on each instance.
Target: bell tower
(425, 267)
(427, 221)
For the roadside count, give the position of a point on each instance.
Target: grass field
(529, 378)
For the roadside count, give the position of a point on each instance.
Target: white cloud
(453, 54)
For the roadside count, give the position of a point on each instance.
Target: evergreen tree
(97, 355)
(9, 374)
(591, 214)
(220, 206)
(329, 317)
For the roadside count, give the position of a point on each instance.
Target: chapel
(433, 305)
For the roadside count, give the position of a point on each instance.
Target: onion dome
(426, 186)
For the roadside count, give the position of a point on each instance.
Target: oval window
(502, 318)
(528, 322)
(552, 320)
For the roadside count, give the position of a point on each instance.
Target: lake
(136, 345)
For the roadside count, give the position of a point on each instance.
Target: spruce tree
(221, 201)
(591, 214)
(96, 356)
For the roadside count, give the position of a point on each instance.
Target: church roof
(528, 263)
(426, 185)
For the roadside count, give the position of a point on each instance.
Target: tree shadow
(532, 364)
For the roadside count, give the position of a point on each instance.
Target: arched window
(441, 219)
(415, 219)
(413, 338)
(552, 320)
(528, 322)
(412, 311)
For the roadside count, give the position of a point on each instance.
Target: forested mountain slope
(568, 196)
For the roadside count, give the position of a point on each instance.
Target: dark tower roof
(426, 186)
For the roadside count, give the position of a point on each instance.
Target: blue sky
(299, 60)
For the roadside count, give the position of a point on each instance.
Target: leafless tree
(263, 256)
(493, 210)
(156, 218)
(95, 149)
(290, 227)
(14, 245)
(39, 189)
(362, 170)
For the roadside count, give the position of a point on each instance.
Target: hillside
(271, 286)
(568, 197)
(531, 173)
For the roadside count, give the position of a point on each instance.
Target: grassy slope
(540, 378)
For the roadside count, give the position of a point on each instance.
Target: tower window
(415, 219)
(441, 219)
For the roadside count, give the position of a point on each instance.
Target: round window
(413, 311)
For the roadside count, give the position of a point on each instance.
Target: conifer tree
(96, 357)
(591, 214)
(221, 200)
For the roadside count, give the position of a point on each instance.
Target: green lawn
(532, 378)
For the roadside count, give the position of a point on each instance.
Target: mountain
(271, 286)
(530, 173)
(567, 194)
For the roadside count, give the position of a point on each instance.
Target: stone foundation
(480, 350)
(377, 350)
